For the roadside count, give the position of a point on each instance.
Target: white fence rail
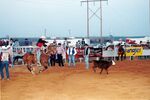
(106, 53)
(21, 50)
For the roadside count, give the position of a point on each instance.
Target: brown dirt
(128, 80)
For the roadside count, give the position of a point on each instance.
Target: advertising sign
(134, 51)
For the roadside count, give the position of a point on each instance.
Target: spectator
(11, 42)
(16, 43)
(55, 42)
(86, 55)
(71, 55)
(53, 58)
(78, 44)
(60, 51)
(65, 43)
(124, 47)
(83, 42)
(26, 42)
(5, 61)
(11, 57)
(121, 52)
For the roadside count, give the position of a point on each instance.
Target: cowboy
(121, 52)
(86, 55)
(83, 42)
(52, 58)
(71, 55)
(5, 61)
(60, 51)
(40, 44)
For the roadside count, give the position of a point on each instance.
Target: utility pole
(88, 30)
(101, 22)
(149, 15)
(149, 11)
(94, 13)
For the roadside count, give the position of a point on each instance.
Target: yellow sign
(134, 51)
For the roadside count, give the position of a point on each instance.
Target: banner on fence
(134, 51)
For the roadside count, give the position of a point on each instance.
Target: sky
(63, 18)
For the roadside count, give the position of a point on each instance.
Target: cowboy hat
(43, 37)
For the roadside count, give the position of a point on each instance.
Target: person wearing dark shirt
(86, 55)
(121, 52)
(26, 42)
(60, 51)
(83, 42)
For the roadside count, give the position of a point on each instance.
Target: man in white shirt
(71, 55)
(5, 61)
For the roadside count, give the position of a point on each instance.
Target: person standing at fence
(11, 53)
(65, 45)
(124, 47)
(53, 58)
(86, 56)
(83, 42)
(71, 55)
(11, 43)
(5, 61)
(26, 42)
(121, 52)
(60, 51)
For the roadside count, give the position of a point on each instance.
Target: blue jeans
(71, 60)
(6, 65)
(86, 57)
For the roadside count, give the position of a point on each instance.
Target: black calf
(102, 64)
(16, 58)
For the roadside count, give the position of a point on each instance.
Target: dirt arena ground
(128, 80)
